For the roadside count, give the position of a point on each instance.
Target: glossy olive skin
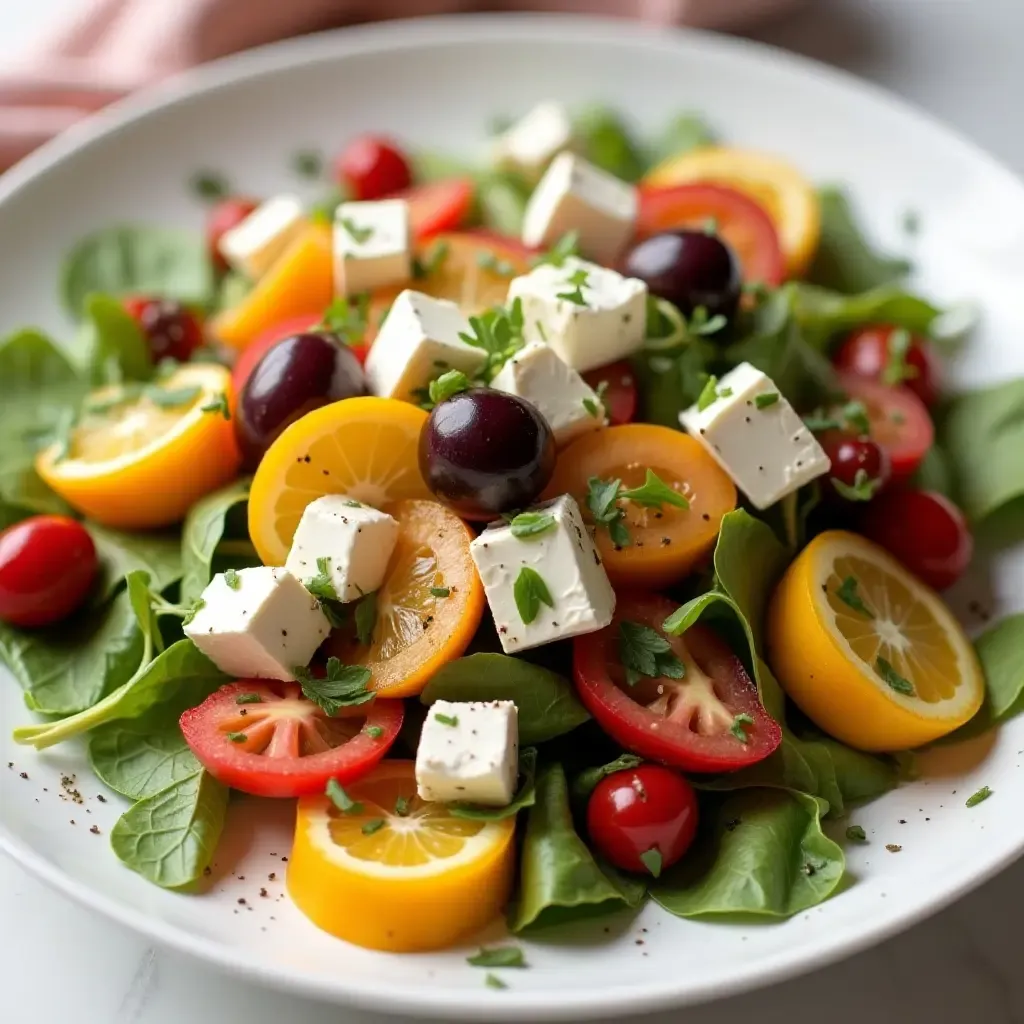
(689, 269)
(298, 375)
(485, 452)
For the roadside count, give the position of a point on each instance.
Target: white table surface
(960, 59)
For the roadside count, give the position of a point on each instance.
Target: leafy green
(156, 554)
(1001, 652)
(498, 956)
(683, 133)
(205, 526)
(546, 702)
(559, 879)
(529, 524)
(845, 260)
(342, 686)
(451, 382)
(530, 592)
(366, 618)
(668, 383)
(765, 854)
(140, 598)
(586, 781)
(978, 797)
(605, 141)
(501, 199)
(142, 757)
(654, 492)
(643, 651)
(113, 346)
(137, 259)
(171, 836)
(525, 795)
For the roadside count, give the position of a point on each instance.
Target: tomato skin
(658, 736)
(923, 530)
(850, 454)
(620, 399)
(47, 567)
(437, 206)
(267, 762)
(172, 330)
(743, 224)
(648, 807)
(372, 166)
(222, 217)
(866, 353)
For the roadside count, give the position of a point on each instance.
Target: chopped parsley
(402, 807)
(767, 399)
(493, 981)
(237, 737)
(529, 524)
(530, 592)
(568, 245)
(321, 585)
(980, 797)
(847, 593)
(374, 732)
(818, 421)
(592, 407)
(374, 825)
(354, 231)
(487, 260)
(172, 398)
(343, 686)
(897, 369)
(654, 492)
(341, 799)
(652, 860)
(602, 497)
(893, 678)
(308, 163)
(498, 956)
(218, 404)
(366, 617)
(450, 383)
(863, 489)
(347, 318)
(739, 727)
(708, 395)
(499, 332)
(855, 414)
(440, 591)
(702, 325)
(248, 698)
(232, 579)
(856, 834)
(198, 605)
(643, 651)
(450, 720)
(352, 503)
(576, 295)
(433, 262)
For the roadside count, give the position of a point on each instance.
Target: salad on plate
(560, 531)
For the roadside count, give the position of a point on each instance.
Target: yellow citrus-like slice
(363, 447)
(867, 651)
(395, 872)
(779, 188)
(428, 607)
(141, 456)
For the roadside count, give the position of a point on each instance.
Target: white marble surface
(961, 60)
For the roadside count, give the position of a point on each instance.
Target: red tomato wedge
(437, 206)
(620, 395)
(264, 737)
(899, 422)
(694, 723)
(740, 222)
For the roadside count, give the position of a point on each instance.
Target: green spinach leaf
(586, 781)
(669, 382)
(546, 702)
(1001, 652)
(605, 141)
(205, 526)
(684, 133)
(526, 794)
(156, 554)
(501, 198)
(113, 347)
(140, 758)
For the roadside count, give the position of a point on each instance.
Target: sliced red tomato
(899, 422)
(437, 206)
(620, 395)
(738, 220)
(264, 737)
(710, 720)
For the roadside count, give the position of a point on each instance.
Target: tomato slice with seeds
(620, 395)
(690, 723)
(265, 738)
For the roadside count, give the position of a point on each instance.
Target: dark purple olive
(296, 376)
(485, 452)
(689, 269)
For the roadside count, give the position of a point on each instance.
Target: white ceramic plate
(436, 84)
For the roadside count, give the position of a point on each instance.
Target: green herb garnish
(702, 325)
(450, 383)
(708, 395)
(440, 591)
(602, 496)
(366, 617)
(897, 369)
(433, 261)
(847, 593)
(248, 698)
(498, 956)
(341, 799)
(374, 732)
(402, 807)
(654, 492)
(652, 861)
(486, 260)
(856, 834)
(375, 825)
(529, 524)
(198, 605)
(566, 247)
(739, 727)
(493, 981)
(893, 678)
(172, 398)
(308, 163)
(863, 489)
(354, 231)
(232, 579)
(818, 422)
(346, 318)
(710, 226)
(855, 414)
(237, 737)
(450, 720)
(321, 585)
(499, 332)
(343, 686)
(976, 798)
(767, 399)
(210, 185)
(218, 404)
(645, 652)
(530, 592)
(592, 407)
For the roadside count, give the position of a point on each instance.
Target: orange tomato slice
(666, 543)
(428, 607)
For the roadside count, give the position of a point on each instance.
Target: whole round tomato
(371, 167)
(222, 217)
(892, 356)
(618, 392)
(856, 461)
(264, 737)
(47, 567)
(643, 819)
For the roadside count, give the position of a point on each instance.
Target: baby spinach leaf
(670, 382)
(559, 879)
(586, 781)
(156, 554)
(501, 199)
(205, 526)
(113, 346)
(525, 796)
(546, 702)
(1001, 652)
(137, 259)
(606, 142)
(171, 836)
(140, 758)
(141, 600)
(684, 133)
(764, 853)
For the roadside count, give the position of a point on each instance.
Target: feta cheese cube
(418, 341)
(565, 558)
(534, 140)
(371, 246)
(756, 437)
(601, 318)
(564, 398)
(344, 541)
(574, 195)
(258, 623)
(469, 751)
(251, 246)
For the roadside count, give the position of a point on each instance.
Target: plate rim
(338, 44)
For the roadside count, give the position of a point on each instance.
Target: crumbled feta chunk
(258, 623)
(344, 542)
(469, 751)
(574, 195)
(534, 140)
(564, 398)
(596, 320)
(256, 242)
(371, 246)
(418, 341)
(756, 437)
(564, 556)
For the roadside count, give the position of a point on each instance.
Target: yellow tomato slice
(408, 882)
(867, 651)
(140, 457)
(428, 607)
(366, 448)
(779, 188)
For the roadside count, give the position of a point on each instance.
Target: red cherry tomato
(690, 723)
(643, 819)
(47, 566)
(284, 744)
(899, 422)
(923, 530)
(740, 222)
(223, 216)
(854, 459)
(438, 206)
(172, 330)
(620, 396)
(371, 167)
(869, 352)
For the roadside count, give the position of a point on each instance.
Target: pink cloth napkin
(111, 47)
